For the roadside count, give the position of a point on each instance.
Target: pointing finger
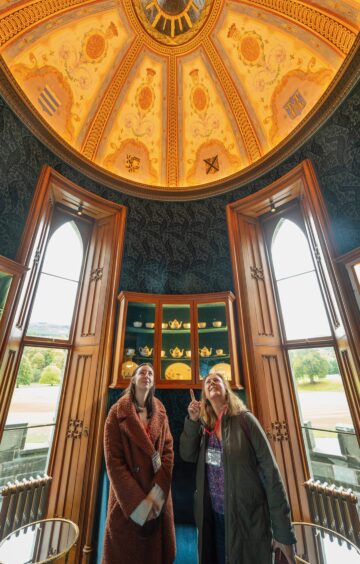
(192, 395)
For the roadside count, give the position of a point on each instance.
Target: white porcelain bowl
(137, 324)
(150, 325)
(217, 323)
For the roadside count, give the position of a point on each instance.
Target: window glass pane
(357, 272)
(290, 250)
(334, 457)
(329, 435)
(53, 308)
(64, 252)
(38, 386)
(29, 428)
(302, 307)
(5, 283)
(24, 452)
(320, 391)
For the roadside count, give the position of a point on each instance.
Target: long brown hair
(131, 391)
(234, 403)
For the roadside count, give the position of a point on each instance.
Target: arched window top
(64, 252)
(290, 250)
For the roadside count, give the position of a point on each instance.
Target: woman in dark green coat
(241, 507)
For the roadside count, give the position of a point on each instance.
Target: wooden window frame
(93, 311)
(263, 354)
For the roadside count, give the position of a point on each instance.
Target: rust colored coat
(128, 452)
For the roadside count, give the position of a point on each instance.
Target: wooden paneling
(269, 378)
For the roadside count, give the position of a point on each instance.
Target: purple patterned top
(215, 475)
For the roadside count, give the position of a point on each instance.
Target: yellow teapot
(205, 351)
(176, 352)
(175, 324)
(145, 351)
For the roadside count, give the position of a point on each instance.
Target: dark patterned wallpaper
(183, 247)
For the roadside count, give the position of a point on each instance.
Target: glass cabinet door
(139, 337)
(176, 361)
(213, 338)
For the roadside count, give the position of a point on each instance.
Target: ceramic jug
(145, 351)
(175, 324)
(205, 351)
(176, 352)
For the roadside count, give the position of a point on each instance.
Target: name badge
(213, 457)
(156, 461)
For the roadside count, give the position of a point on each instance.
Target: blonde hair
(234, 403)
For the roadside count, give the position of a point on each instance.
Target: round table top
(318, 545)
(39, 542)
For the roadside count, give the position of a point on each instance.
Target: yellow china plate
(178, 371)
(224, 368)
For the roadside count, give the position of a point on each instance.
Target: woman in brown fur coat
(139, 460)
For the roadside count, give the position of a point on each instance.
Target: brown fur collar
(131, 425)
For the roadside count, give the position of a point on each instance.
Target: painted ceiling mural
(175, 95)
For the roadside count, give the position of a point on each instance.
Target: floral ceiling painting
(180, 98)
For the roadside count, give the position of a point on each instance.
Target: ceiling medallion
(172, 22)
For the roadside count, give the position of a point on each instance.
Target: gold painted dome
(176, 99)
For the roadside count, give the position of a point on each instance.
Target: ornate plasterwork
(94, 133)
(326, 26)
(21, 19)
(165, 109)
(172, 22)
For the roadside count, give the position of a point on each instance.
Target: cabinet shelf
(175, 331)
(178, 359)
(213, 330)
(215, 357)
(143, 330)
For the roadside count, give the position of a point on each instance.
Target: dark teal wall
(183, 247)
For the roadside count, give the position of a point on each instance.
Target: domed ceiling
(175, 98)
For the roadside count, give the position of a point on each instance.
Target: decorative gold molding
(327, 27)
(14, 23)
(172, 50)
(251, 142)
(106, 106)
(172, 157)
(176, 20)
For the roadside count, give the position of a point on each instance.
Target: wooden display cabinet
(183, 336)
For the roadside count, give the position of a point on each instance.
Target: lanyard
(217, 424)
